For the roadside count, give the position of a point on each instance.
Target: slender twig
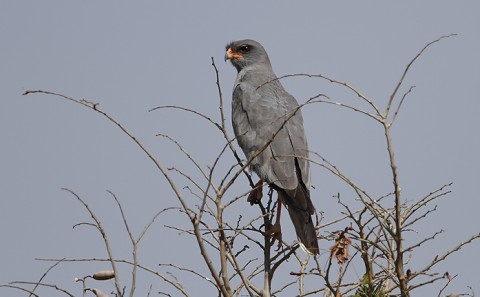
(441, 258)
(95, 107)
(188, 270)
(45, 274)
(20, 288)
(42, 285)
(223, 127)
(400, 105)
(426, 239)
(184, 151)
(407, 68)
(350, 107)
(190, 111)
(440, 192)
(171, 282)
(449, 280)
(104, 237)
(334, 81)
(134, 245)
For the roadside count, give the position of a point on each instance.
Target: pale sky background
(133, 56)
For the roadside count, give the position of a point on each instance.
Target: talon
(256, 194)
(273, 229)
(276, 232)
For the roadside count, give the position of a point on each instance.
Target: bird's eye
(245, 48)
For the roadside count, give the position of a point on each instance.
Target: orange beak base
(231, 55)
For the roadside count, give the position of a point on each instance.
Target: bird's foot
(256, 194)
(276, 232)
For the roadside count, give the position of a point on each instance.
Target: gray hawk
(268, 126)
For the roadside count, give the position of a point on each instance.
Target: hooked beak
(231, 55)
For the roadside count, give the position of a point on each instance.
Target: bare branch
(19, 288)
(190, 111)
(440, 192)
(190, 271)
(184, 151)
(42, 285)
(334, 81)
(104, 236)
(223, 127)
(412, 247)
(45, 274)
(407, 68)
(450, 279)
(400, 105)
(94, 107)
(439, 259)
(171, 282)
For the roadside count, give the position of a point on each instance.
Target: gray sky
(131, 57)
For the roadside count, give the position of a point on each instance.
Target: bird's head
(246, 53)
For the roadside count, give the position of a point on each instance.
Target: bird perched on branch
(268, 125)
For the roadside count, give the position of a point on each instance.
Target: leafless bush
(242, 258)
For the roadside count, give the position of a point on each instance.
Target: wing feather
(258, 115)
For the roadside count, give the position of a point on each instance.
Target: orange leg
(276, 229)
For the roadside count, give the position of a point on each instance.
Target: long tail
(302, 221)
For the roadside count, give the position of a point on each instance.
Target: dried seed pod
(104, 275)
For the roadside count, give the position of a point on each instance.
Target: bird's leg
(256, 194)
(276, 229)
